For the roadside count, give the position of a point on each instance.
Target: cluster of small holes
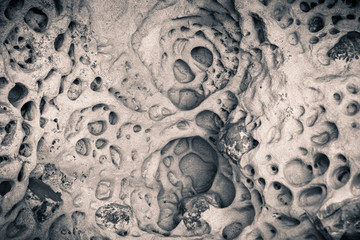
(351, 107)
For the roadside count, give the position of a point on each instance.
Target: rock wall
(179, 119)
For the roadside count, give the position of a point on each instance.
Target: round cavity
(315, 24)
(36, 19)
(83, 147)
(249, 170)
(340, 176)
(337, 97)
(183, 72)
(116, 156)
(137, 128)
(352, 88)
(28, 111)
(25, 150)
(113, 118)
(297, 173)
(182, 146)
(352, 108)
(101, 143)
(232, 230)
(274, 169)
(17, 93)
(202, 55)
(97, 128)
(202, 173)
(312, 196)
(262, 182)
(321, 164)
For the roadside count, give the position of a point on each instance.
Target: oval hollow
(36, 19)
(352, 108)
(25, 150)
(101, 143)
(183, 72)
(340, 176)
(202, 55)
(185, 99)
(75, 89)
(297, 173)
(28, 111)
(115, 155)
(249, 170)
(97, 128)
(202, 173)
(17, 93)
(113, 118)
(232, 230)
(315, 24)
(5, 187)
(13, 8)
(3, 82)
(82, 147)
(209, 120)
(96, 84)
(182, 146)
(312, 196)
(58, 42)
(321, 163)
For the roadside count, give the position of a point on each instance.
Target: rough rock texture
(179, 119)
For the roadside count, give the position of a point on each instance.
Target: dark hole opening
(21, 174)
(18, 92)
(5, 187)
(59, 40)
(3, 82)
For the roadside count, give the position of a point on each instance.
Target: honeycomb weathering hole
(179, 119)
(182, 72)
(18, 92)
(5, 187)
(201, 173)
(36, 19)
(12, 8)
(202, 55)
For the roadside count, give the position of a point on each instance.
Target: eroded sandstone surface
(179, 119)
